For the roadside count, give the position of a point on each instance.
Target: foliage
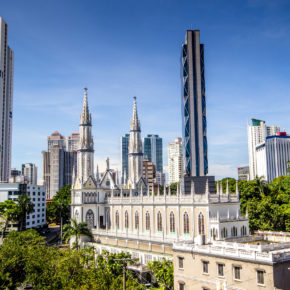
(163, 272)
(173, 188)
(75, 230)
(25, 206)
(59, 206)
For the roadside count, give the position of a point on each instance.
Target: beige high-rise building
(73, 141)
(175, 161)
(29, 171)
(6, 101)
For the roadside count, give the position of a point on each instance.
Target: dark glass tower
(194, 105)
(153, 151)
(124, 156)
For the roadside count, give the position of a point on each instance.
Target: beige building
(175, 161)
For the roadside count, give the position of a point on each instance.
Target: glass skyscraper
(124, 155)
(194, 105)
(153, 151)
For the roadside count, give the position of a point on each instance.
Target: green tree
(25, 206)
(9, 213)
(163, 272)
(173, 188)
(75, 230)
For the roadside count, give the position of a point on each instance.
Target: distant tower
(175, 161)
(135, 154)
(124, 156)
(194, 106)
(86, 147)
(29, 171)
(6, 101)
(153, 150)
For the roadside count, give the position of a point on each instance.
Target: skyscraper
(257, 133)
(175, 161)
(153, 150)
(6, 101)
(73, 141)
(194, 105)
(124, 157)
(29, 171)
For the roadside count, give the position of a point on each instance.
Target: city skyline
(237, 89)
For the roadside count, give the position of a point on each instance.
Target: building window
(172, 223)
(185, 223)
(234, 231)
(205, 267)
(136, 220)
(147, 221)
(117, 220)
(201, 224)
(237, 273)
(27, 223)
(180, 262)
(260, 277)
(224, 233)
(90, 219)
(181, 285)
(221, 270)
(159, 222)
(126, 220)
(243, 231)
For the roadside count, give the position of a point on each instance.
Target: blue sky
(119, 49)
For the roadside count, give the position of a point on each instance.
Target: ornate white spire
(86, 118)
(135, 123)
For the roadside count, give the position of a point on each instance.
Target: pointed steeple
(86, 116)
(135, 123)
(98, 174)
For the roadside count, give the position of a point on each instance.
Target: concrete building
(29, 171)
(243, 173)
(272, 156)
(175, 161)
(153, 150)
(257, 133)
(160, 178)
(6, 101)
(149, 173)
(73, 142)
(37, 193)
(194, 105)
(124, 157)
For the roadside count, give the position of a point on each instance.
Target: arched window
(147, 221)
(243, 231)
(136, 220)
(201, 224)
(234, 232)
(90, 219)
(117, 220)
(159, 222)
(126, 220)
(185, 223)
(224, 233)
(172, 222)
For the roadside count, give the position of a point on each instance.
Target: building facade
(149, 173)
(272, 156)
(6, 101)
(175, 161)
(153, 150)
(257, 133)
(29, 171)
(194, 105)
(243, 173)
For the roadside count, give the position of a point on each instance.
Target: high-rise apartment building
(6, 101)
(124, 157)
(73, 141)
(257, 133)
(153, 150)
(29, 171)
(149, 173)
(194, 105)
(272, 156)
(243, 173)
(175, 161)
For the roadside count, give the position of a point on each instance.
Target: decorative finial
(134, 98)
(85, 89)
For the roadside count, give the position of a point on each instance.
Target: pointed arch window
(224, 233)
(147, 221)
(90, 219)
(136, 220)
(159, 222)
(126, 220)
(201, 224)
(172, 222)
(185, 223)
(234, 232)
(117, 220)
(243, 231)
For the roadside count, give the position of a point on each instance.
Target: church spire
(135, 123)
(86, 116)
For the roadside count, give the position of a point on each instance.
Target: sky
(121, 49)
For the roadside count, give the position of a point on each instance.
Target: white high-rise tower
(6, 101)
(135, 154)
(85, 153)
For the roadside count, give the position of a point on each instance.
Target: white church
(128, 217)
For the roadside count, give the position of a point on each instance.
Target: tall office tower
(135, 154)
(29, 171)
(153, 150)
(257, 133)
(149, 173)
(272, 156)
(56, 139)
(124, 157)
(6, 101)
(194, 106)
(175, 161)
(73, 141)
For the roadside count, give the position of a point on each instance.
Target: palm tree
(261, 183)
(25, 206)
(76, 229)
